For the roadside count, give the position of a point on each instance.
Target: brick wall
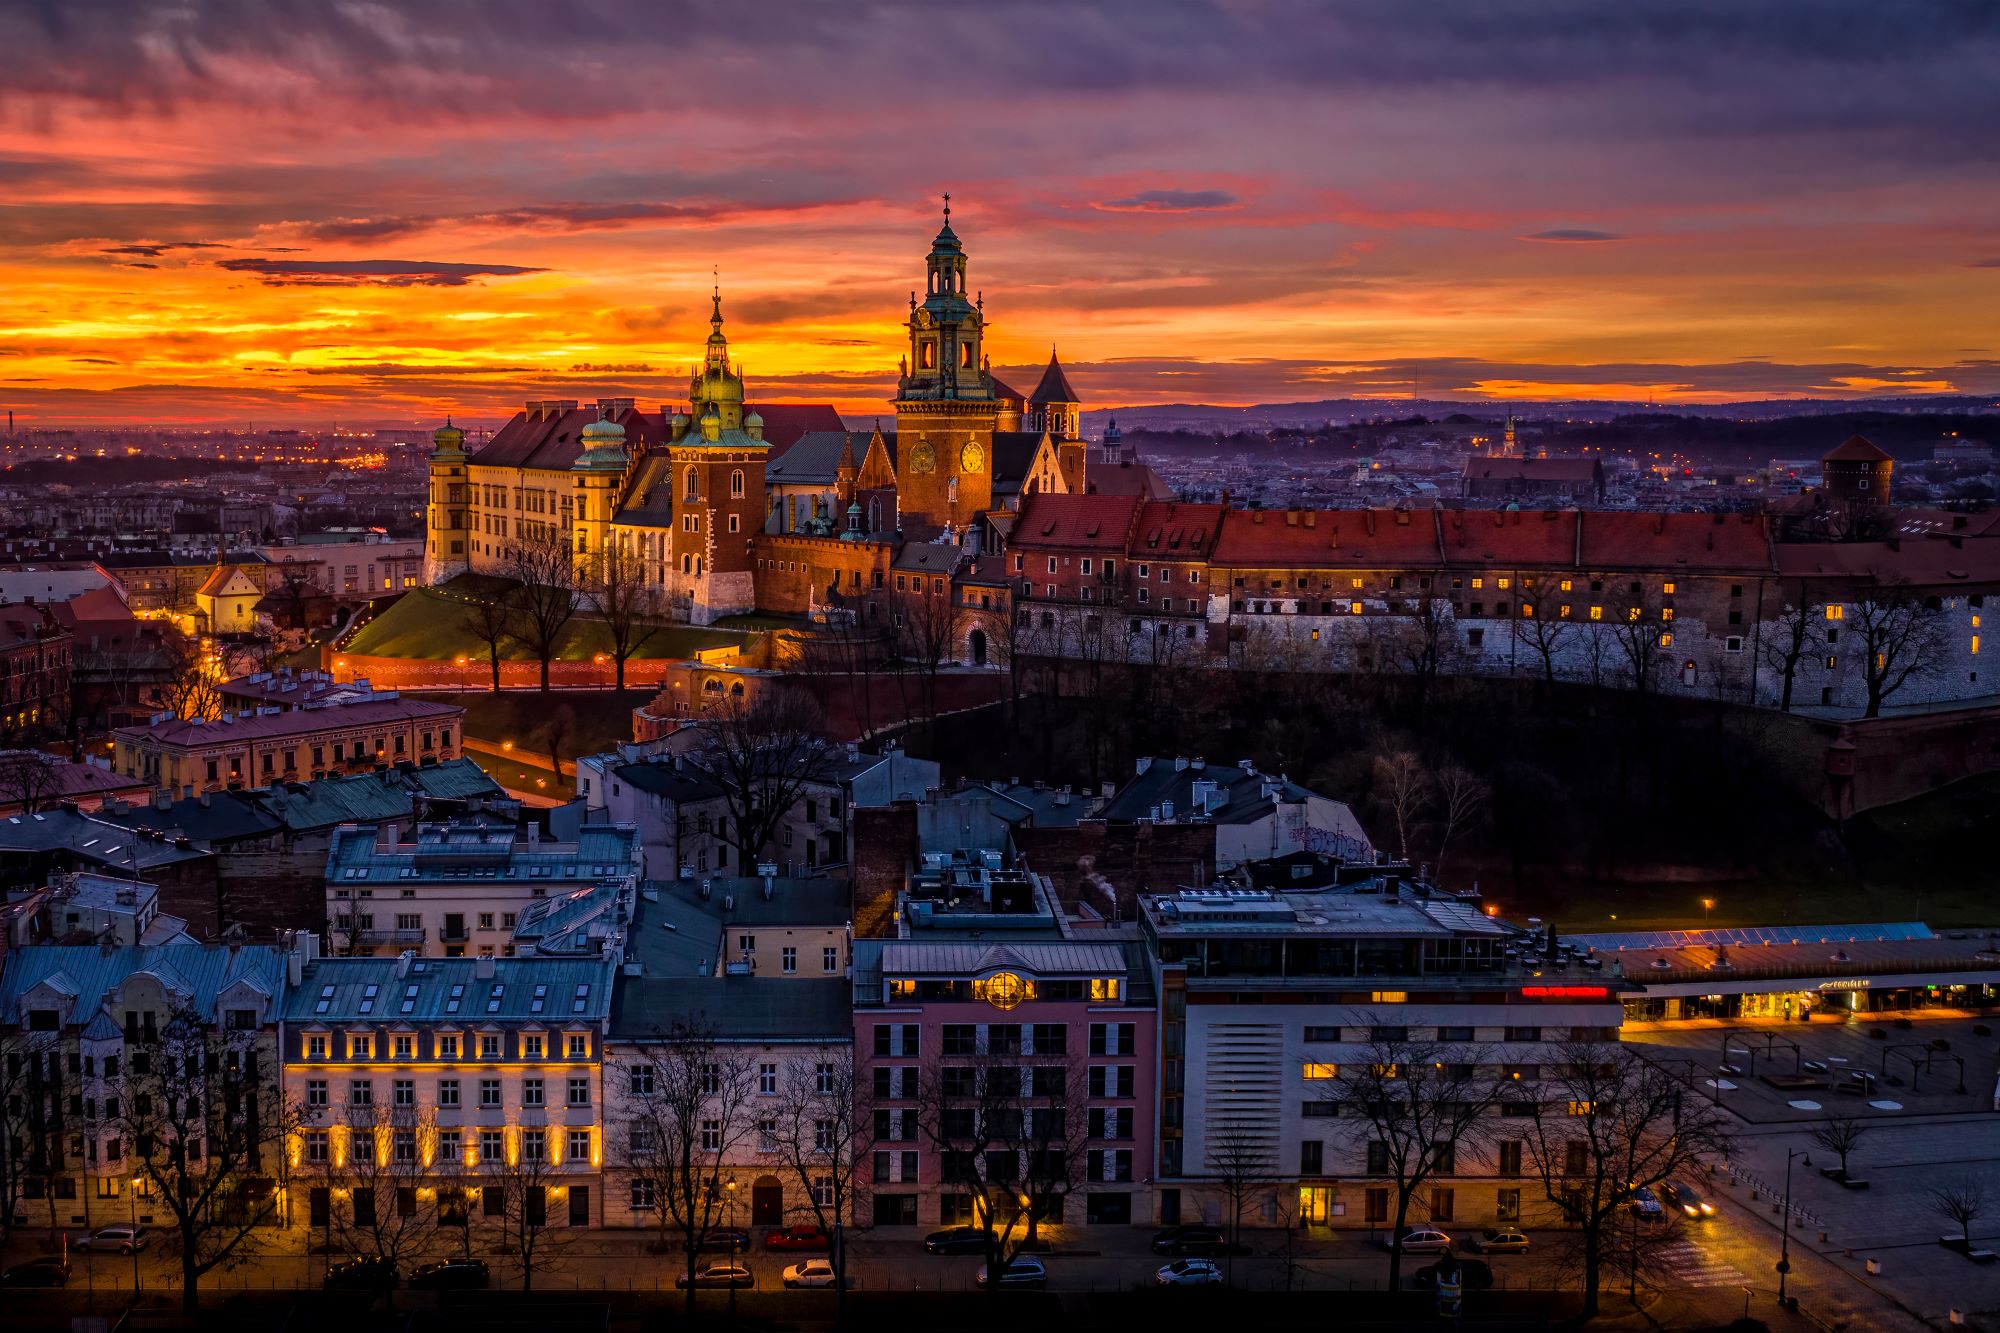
(1135, 858)
(885, 847)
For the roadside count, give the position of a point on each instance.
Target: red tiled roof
(1507, 538)
(785, 422)
(298, 722)
(1365, 538)
(1071, 522)
(1626, 540)
(1855, 449)
(554, 440)
(1536, 469)
(1928, 562)
(1169, 530)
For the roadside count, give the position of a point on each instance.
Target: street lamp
(729, 1193)
(1785, 1244)
(1707, 906)
(133, 1200)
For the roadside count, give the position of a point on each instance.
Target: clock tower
(946, 409)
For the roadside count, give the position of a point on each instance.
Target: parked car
(956, 1240)
(1023, 1271)
(796, 1238)
(1421, 1240)
(1685, 1199)
(719, 1273)
(1189, 1273)
(813, 1273)
(1502, 1241)
(451, 1275)
(1645, 1205)
(47, 1272)
(1472, 1275)
(362, 1273)
(1206, 1242)
(725, 1240)
(122, 1238)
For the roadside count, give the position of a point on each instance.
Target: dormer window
(44, 1020)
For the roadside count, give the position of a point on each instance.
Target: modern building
(460, 887)
(1267, 997)
(479, 1077)
(987, 977)
(256, 749)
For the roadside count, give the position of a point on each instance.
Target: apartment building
(183, 756)
(476, 1078)
(987, 984)
(1269, 999)
(460, 888)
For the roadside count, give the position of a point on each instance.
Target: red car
(796, 1238)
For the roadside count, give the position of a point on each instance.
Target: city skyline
(251, 213)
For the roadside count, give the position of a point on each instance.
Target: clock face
(1004, 990)
(972, 458)
(922, 457)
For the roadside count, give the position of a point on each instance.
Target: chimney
(1145, 762)
(403, 962)
(1180, 764)
(482, 967)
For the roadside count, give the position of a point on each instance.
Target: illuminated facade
(246, 749)
(468, 1077)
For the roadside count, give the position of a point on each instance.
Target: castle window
(965, 355)
(691, 489)
(927, 356)
(736, 484)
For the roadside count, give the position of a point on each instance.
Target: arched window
(687, 563)
(965, 355)
(927, 356)
(692, 490)
(736, 484)
(951, 491)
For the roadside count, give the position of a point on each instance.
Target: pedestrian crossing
(1690, 1267)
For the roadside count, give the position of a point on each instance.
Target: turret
(446, 530)
(1054, 406)
(599, 472)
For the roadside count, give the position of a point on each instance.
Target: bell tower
(946, 410)
(447, 533)
(716, 456)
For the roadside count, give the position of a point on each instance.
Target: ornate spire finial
(947, 210)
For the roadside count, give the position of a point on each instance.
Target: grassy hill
(430, 624)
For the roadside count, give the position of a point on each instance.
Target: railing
(392, 937)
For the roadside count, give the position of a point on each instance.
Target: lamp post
(1785, 1244)
(133, 1200)
(1707, 906)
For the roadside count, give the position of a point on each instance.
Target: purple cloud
(1572, 234)
(1170, 201)
(368, 272)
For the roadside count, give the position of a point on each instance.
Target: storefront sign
(1850, 983)
(1565, 992)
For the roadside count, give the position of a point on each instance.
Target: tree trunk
(618, 672)
(494, 658)
(190, 1284)
(1590, 1261)
(545, 672)
(1396, 1241)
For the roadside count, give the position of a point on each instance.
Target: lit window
(1566, 585)
(1479, 583)
(1564, 613)
(1354, 608)
(1835, 612)
(1597, 613)
(1106, 988)
(1527, 611)
(1503, 583)
(1583, 1108)
(1666, 613)
(1975, 639)
(1315, 1069)
(1389, 997)
(1357, 583)
(1975, 643)
(1666, 641)
(1667, 588)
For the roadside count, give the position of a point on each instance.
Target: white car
(1188, 1273)
(1420, 1240)
(122, 1239)
(812, 1273)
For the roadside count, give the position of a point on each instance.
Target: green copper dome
(603, 448)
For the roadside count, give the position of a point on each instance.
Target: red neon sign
(1566, 992)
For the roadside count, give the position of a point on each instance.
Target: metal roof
(738, 1008)
(969, 958)
(1735, 936)
(432, 990)
(91, 973)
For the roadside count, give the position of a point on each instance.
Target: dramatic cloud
(155, 249)
(368, 272)
(1171, 201)
(1573, 234)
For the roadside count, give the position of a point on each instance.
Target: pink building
(1006, 1060)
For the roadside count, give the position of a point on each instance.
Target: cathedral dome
(603, 448)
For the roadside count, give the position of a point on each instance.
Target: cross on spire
(947, 210)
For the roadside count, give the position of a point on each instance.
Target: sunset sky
(311, 213)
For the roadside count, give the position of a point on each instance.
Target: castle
(725, 507)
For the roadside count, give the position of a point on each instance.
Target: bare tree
(1405, 792)
(767, 753)
(1424, 1102)
(1640, 631)
(1901, 635)
(25, 1140)
(206, 1121)
(1544, 631)
(544, 603)
(926, 632)
(527, 1180)
(489, 618)
(1424, 644)
(187, 682)
(626, 600)
(30, 780)
(1609, 1123)
(393, 1211)
(1241, 1157)
(1462, 798)
(1963, 1204)
(1010, 1133)
(1790, 639)
(821, 1137)
(687, 1112)
(1839, 1135)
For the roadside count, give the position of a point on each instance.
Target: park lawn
(426, 624)
(526, 778)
